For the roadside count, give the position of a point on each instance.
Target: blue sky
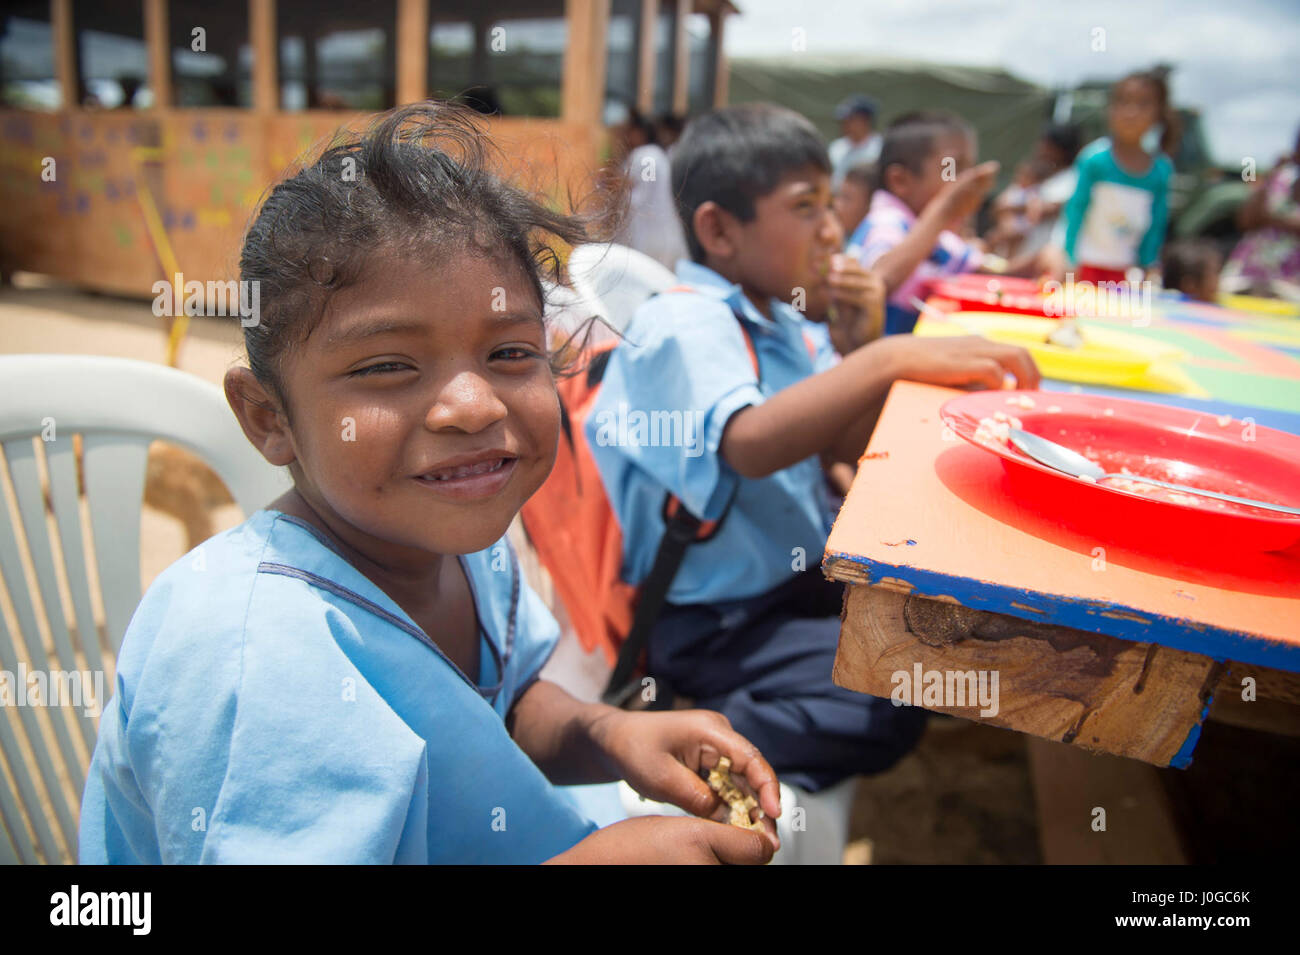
(1236, 60)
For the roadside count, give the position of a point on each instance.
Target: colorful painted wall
(129, 192)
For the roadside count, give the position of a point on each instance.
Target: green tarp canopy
(1009, 113)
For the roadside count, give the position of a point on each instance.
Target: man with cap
(860, 143)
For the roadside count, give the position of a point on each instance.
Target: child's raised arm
(958, 200)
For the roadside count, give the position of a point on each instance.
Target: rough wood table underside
(1099, 692)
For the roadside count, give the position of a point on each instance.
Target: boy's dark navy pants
(765, 663)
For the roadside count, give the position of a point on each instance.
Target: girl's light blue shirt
(272, 704)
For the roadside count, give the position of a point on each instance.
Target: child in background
(927, 185)
(1018, 208)
(1190, 269)
(650, 224)
(1267, 259)
(1117, 216)
(853, 197)
(751, 627)
(351, 675)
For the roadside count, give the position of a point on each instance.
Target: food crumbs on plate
(1053, 409)
(720, 782)
(1224, 420)
(1087, 477)
(1183, 498)
(1136, 487)
(1109, 412)
(1023, 401)
(1009, 419)
(995, 431)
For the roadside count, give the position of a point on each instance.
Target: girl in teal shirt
(1118, 214)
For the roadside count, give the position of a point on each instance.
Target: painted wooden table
(1114, 643)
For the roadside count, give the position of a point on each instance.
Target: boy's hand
(661, 756)
(669, 840)
(966, 362)
(858, 300)
(963, 196)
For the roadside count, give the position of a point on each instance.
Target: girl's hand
(669, 840)
(858, 304)
(662, 754)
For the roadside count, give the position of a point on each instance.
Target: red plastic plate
(1195, 448)
(992, 293)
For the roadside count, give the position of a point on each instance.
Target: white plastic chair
(619, 277)
(118, 407)
(567, 314)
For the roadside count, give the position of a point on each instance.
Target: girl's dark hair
(640, 121)
(416, 182)
(1188, 259)
(1065, 137)
(1169, 118)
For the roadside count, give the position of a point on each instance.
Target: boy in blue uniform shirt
(749, 629)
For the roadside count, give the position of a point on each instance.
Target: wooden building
(137, 137)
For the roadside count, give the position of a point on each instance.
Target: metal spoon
(1071, 462)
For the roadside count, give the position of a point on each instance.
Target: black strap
(680, 531)
(678, 535)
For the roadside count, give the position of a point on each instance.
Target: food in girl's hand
(720, 782)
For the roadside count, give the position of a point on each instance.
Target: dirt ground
(966, 795)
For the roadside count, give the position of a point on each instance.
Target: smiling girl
(351, 675)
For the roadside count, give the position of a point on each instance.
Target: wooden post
(681, 59)
(157, 40)
(266, 82)
(412, 51)
(717, 20)
(583, 95)
(479, 73)
(65, 52)
(645, 72)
